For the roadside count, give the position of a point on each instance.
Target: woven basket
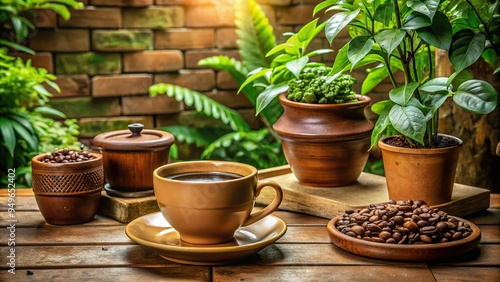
(53, 178)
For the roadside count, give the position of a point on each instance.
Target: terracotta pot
(326, 145)
(68, 193)
(131, 156)
(420, 174)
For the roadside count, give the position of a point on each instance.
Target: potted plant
(400, 36)
(324, 132)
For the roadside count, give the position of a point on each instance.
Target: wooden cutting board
(322, 202)
(370, 189)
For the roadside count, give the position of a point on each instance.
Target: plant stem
(431, 65)
(486, 27)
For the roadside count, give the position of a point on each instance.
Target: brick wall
(108, 55)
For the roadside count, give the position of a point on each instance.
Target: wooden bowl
(68, 193)
(420, 252)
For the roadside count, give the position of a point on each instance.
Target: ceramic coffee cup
(207, 201)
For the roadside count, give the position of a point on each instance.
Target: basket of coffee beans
(390, 230)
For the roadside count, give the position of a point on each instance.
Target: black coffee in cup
(204, 176)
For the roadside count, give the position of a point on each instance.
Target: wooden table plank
(122, 274)
(409, 273)
(35, 218)
(479, 274)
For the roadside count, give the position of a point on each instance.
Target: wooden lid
(135, 139)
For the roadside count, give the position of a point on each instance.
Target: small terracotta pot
(68, 193)
(131, 156)
(426, 174)
(326, 145)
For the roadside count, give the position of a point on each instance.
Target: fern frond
(202, 104)
(188, 135)
(256, 36)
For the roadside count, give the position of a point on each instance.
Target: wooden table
(100, 251)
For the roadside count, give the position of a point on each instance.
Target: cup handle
(271, 207)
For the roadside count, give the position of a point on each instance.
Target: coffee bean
(402, 222)
(67, 156)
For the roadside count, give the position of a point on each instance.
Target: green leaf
(255, 74)
(337, 22)
(426, 7)
(59, 9)
(49, 111)
(435, 85)
(374, 78)
(439, 34)
(268, 95)
(32, 140)
(409, 121)
(466, 48)
(202, 104)
(384, 13)
(16, 46)
(379, 106)
(323, 5)
(319, 52)
(8, 135)
(382, 122)
(476, 96)
(255, 34)
(296, 66)
(415, 21)
(402, 94)
(341, 60)
(307, 31)
(389, 39)
(359, 47)
(436, 101)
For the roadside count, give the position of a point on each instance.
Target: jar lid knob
(136, 128)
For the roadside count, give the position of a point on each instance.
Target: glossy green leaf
(337, 22)
(379, 106)
(359, 47)
(389, 39)
(402, 94)
(31, 140)
(307, 31)
(8, 135)
(426, 7)
(323, 5)
(255, 74)
(476, 96)
(409, 121)
(374, 78)
(384, 13)
(269, 94)
(296, 66)
(16, 46)
(319, 52)
(466, 48)
(49, 111)
(435, 85)
(439, 34)
(380, 126)
(341, 60)
(415, 21)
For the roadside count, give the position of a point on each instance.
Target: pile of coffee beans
(410, 222)
(67, 156)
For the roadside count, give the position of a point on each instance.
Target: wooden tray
(322, 202)
(370, 189)
(404, 252)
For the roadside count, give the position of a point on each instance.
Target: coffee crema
(204, 176)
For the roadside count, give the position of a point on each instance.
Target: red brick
(147, 105)
(221, 14)
(122, 3)
(198, 80)
(270, 13)
(153, 61)
(39, 60)
(92, 17)
(184, 38)
(294, 14)
(72, 85)
(226, 81)
(62, 40)
(90, 127)
(226, 38)
(192, 57)
(121, 85)
(43, 18)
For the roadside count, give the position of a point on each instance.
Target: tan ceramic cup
(211, 212)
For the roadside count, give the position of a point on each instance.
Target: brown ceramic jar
(131, 156)
(67, 193)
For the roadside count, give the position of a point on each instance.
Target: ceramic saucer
(127, 194)
(405, 252)
(155, 232)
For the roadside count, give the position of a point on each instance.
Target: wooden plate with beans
(403, 231)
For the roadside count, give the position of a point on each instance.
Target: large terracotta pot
(420, 174)
(326, 145)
